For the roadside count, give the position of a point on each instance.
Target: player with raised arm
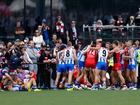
(90, 61)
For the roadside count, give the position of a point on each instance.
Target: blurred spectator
(19, 31)
(137, 43)
(121, 32)
(33, 55)
(54, 40)
(99, 28)
(120, 22)
(46, 31)
(26, 41)
(25, 59)
(73, 33)
(27, 29)
(131, 21)
(42, 70)
(60, 29)
(48, 60)
(39, 29)
(15, 57)
(38, 39)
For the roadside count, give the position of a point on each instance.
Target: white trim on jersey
(102, 55)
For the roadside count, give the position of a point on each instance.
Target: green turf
(63, 97)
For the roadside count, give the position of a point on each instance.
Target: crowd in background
(36, 53)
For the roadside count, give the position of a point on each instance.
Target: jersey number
(67, 53)
(104, 53)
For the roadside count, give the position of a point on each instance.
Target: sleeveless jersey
(68, 56)
(132, 61)
(60, 54)
(80, 56)
(91, 56)
(102, 55)
(117, 58)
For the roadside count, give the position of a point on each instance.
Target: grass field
(63, 97)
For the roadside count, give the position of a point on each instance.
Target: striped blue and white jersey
(80, 56)
(102, 55)
(121, 52)
(69, 55)
(60, 59)
(132, 61)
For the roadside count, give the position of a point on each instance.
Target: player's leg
(57, 79)
(96, 78)
(122, 80)
(128, 77)
(113, 80)
(70, 77)
(134, 78)
(103, 78)
(80, 73)
(79, 78)
(62, 83)
(32, 82)
(103, 74)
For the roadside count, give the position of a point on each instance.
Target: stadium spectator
(33, 55)
(46, 31)
(60, 29)
(73, 33)
(19, 31)
(38, 39)
(99, 25)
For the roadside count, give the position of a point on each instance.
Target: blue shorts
(61, 68)
(101, 66)
(69, 67)
(131, 67)
(81, 65)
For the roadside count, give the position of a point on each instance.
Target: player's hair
(62, 47)
(93, 44)
(76, 47)
(103, 44)
(131, 41)
(116, 42)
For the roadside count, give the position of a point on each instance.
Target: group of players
(90, 67)
(96, 66)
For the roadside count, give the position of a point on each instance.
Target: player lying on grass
(18, 80)
(27, 78)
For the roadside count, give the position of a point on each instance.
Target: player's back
(102, 55)
(69, 55)
(80, 56)
(117, 57)
(91, 54)
(60, 55)
(131, 52)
